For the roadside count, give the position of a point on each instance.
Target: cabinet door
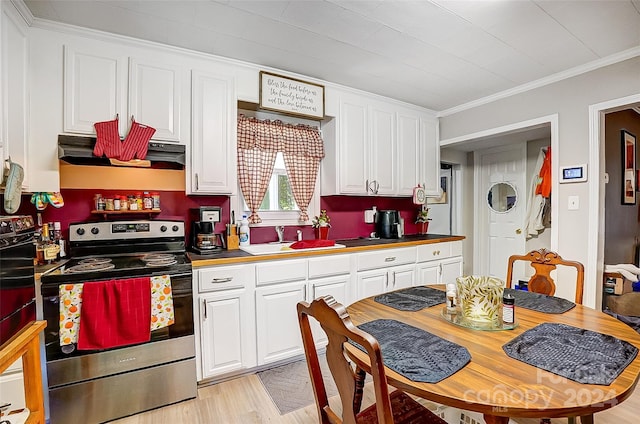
(338, 287)
(227, 332)
(154, 97)
(430, 156)
(95, 84)
(402, 277)
(408, 153)
(14, 57)
(354, 148)
(278, 332)
(428, 273)
(213, 145)
(371, 283)
(451, 269)
(382, 150)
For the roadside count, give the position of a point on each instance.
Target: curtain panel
(259, 141)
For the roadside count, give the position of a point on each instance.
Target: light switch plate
(368, 216)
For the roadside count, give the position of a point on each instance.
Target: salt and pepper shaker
(508, 309)
(451, 298)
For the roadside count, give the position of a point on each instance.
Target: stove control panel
(118, 230)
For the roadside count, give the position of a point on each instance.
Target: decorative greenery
(480, 297)
(322, 220)
(423, 216)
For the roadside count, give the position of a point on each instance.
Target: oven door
(17, 287)
(182, 292)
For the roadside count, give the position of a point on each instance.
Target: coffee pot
(203, 239)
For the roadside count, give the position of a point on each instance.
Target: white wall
(570, 99)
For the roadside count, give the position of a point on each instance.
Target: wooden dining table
(496, 385)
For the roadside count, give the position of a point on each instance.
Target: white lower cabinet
(278, 332)
(227, 332)
(226, 322)
(439, 263)
(385, 270)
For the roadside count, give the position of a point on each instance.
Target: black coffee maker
(204, 241)
(387, 223)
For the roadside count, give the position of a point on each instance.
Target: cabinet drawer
(281, 271)
(225, 277)
(429, 252)
(329, 265)
(386, 258)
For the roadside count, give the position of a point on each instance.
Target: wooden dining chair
(397, 407)
(545, 261)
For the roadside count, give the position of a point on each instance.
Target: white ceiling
(438, 54)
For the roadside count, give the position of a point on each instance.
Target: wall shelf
(145, 212)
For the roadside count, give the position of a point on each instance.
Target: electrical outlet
(368, 216)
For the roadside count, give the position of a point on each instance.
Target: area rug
(289, 385)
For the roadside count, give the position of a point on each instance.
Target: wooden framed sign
(291, 96)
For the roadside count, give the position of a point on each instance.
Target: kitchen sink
(275, 248)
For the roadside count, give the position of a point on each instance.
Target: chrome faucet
(299, 233)
(280, 232)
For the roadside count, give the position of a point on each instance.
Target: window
(278, 206)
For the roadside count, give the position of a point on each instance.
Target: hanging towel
(162, 314)
(137, 141)
(108, 139)
(70, 305)
(115, 313)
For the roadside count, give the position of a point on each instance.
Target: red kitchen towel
(115, 313)
(137, 141)
(108, 139)
(306, 244)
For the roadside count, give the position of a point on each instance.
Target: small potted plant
(422, 220)
(321, 225)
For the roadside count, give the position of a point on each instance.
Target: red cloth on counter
(115, 313)
(136, 143)
(108, 139)
(306, 244)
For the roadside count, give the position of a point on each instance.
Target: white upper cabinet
(14, 90)
(213, 144)
(375, 147)
(98, 86)
(154, 97)
(95, 89)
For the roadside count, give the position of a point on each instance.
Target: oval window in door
(502, 197)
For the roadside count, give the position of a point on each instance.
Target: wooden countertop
(352, 245)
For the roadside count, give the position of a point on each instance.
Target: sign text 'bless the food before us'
(291, 96)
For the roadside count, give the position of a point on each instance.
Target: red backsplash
(346, 212)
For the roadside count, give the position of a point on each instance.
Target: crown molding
(24, 11)
(569, 73)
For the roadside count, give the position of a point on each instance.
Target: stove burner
(165, 262)
(154, 257)
(89, 267)
(94, 261)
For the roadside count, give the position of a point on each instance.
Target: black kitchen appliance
(103, 385)
(204, 241)
(387, 223)
(17, 284)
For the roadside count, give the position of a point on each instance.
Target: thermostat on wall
(573, 174)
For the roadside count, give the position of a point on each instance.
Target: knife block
(233, 241)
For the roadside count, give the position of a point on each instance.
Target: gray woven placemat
(575, 353)
(412, 299)
(414, 353)
(540, 302)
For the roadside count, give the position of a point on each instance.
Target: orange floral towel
(162, 312)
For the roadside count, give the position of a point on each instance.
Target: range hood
(78, 150)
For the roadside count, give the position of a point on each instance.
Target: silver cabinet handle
(197, 183)
(377, 186)
(366, 186)
(204, 308)
(390, 259)
(393, 274)
(221, 280)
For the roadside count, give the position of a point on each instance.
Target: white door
(500, 179)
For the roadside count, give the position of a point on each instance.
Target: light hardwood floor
(244, 400)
